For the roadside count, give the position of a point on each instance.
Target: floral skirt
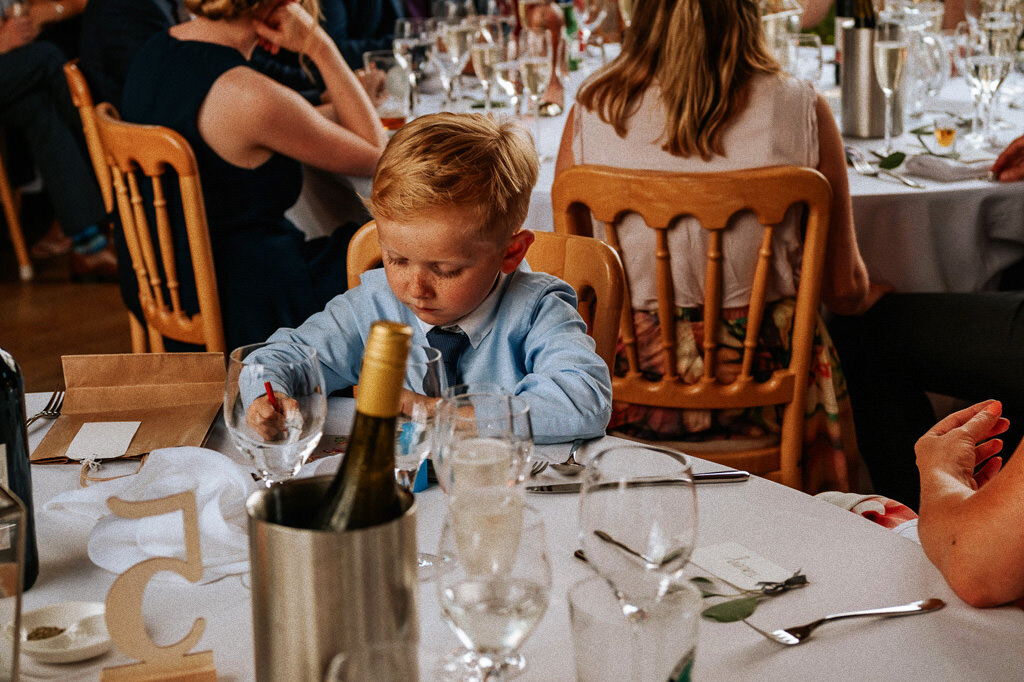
(831, 460)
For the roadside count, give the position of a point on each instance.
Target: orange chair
(131, 150)
(12, 209)
(81, 97)
(712, 198)
(588, 265)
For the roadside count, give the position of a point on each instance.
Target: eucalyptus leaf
(732, 610)
(892, 161)
(705, 586)
(923, 130)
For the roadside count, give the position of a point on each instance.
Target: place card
(102, 440)
(738, 566)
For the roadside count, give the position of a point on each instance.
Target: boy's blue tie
(451, 344)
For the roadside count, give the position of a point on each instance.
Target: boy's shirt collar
(479, 322)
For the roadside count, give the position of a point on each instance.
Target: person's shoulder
(528, 289)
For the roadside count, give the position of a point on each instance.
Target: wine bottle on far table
(364, 492)
(15, 474)
(844, 19)
(864, 14)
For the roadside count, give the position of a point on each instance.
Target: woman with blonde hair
(695, 89)
(250, 135)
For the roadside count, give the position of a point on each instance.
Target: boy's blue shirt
(534, 344)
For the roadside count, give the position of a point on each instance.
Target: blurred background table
(850, 563)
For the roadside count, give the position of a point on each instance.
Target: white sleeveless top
(778, 127)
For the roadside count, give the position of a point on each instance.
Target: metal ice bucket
(863, 103)
(316, 594)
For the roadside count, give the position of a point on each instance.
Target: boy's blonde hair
(465, 161)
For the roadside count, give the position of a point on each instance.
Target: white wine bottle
(864, 14)
(364, 492)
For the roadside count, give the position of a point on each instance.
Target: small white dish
(85, 632)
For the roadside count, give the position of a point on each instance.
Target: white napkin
(220, 486)
(945, 170)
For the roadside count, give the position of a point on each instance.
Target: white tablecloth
(850, 562)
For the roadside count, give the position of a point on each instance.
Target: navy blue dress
(268, 275)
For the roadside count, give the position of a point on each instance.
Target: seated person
(971, 517)
(450, 195)
(251, 136)
(649, 109)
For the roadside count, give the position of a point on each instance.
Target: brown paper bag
(176, 396)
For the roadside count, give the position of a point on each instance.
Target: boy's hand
(409, 400)
(265, 420)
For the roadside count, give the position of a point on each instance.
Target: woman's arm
(972, 525)
(277, 119)
(845, 288)
(565, 158)
(45, 12)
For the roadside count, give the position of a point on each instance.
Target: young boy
(450, 194)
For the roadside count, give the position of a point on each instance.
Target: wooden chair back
(712, 198)
(81, 97)
(590, 267)
(12, 215)
(133, 151)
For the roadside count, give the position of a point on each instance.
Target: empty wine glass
(638, 536)
(413, 46)
(535, 60)
(414, 433)
(289, 375)
(452, 53)
(890, 54)
(494, 583)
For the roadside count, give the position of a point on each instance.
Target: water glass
(290, 372)
(388, 86)
(805, 57)
(494, 583)
(415, 433)
(535, 64)
(413, 47)
(663, 642)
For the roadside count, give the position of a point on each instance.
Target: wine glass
(626, 8)
(452, 53)
(890, 54)
(414, 434)
(486, 51)
(413, 46)
(590, 14)
(638, 537)
(289, 375)
(987, 59)
(535, 55)
(494, 583)
(476, 446)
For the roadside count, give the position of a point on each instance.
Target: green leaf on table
(892, 161)
(923, 130)
(732, 610)
(706, 587)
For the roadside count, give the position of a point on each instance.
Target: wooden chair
(712, 198)
(12, 210)
(588, 265)
(130, 149)
(81, 97)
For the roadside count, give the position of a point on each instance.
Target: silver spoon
(570, 467)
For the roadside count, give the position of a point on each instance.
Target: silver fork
(51, 410)
(797, 635)
(538, 466)
(864, 167)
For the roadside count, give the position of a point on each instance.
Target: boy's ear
(516, 250)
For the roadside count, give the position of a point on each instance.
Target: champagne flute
(494, 583)
(535, 55)
(486, 53)
(890, 52)
(456, 35)
(413, 46)
(290, 374)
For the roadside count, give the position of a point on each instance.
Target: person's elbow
(849, 298)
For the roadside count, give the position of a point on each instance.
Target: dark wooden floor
(50, 316)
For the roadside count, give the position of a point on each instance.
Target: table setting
(778, 555)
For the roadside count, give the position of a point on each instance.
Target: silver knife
(725, 476)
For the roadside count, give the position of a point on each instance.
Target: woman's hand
(954, 446)
(265, 420)
(286, 25)
(1010, 164)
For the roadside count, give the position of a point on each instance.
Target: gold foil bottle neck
(383, 371)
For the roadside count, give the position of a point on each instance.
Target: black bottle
(15, 473)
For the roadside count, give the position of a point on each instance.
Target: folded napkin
(945, 170)
(220, 486)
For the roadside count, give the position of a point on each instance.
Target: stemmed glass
(535, 55)
(415, 433)
(453, 38)
(494, 583)
(890, 54)
(487, 51)
(290, 372)
(591, 14)
(638, 525)
(626, 8)
(413, 46)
